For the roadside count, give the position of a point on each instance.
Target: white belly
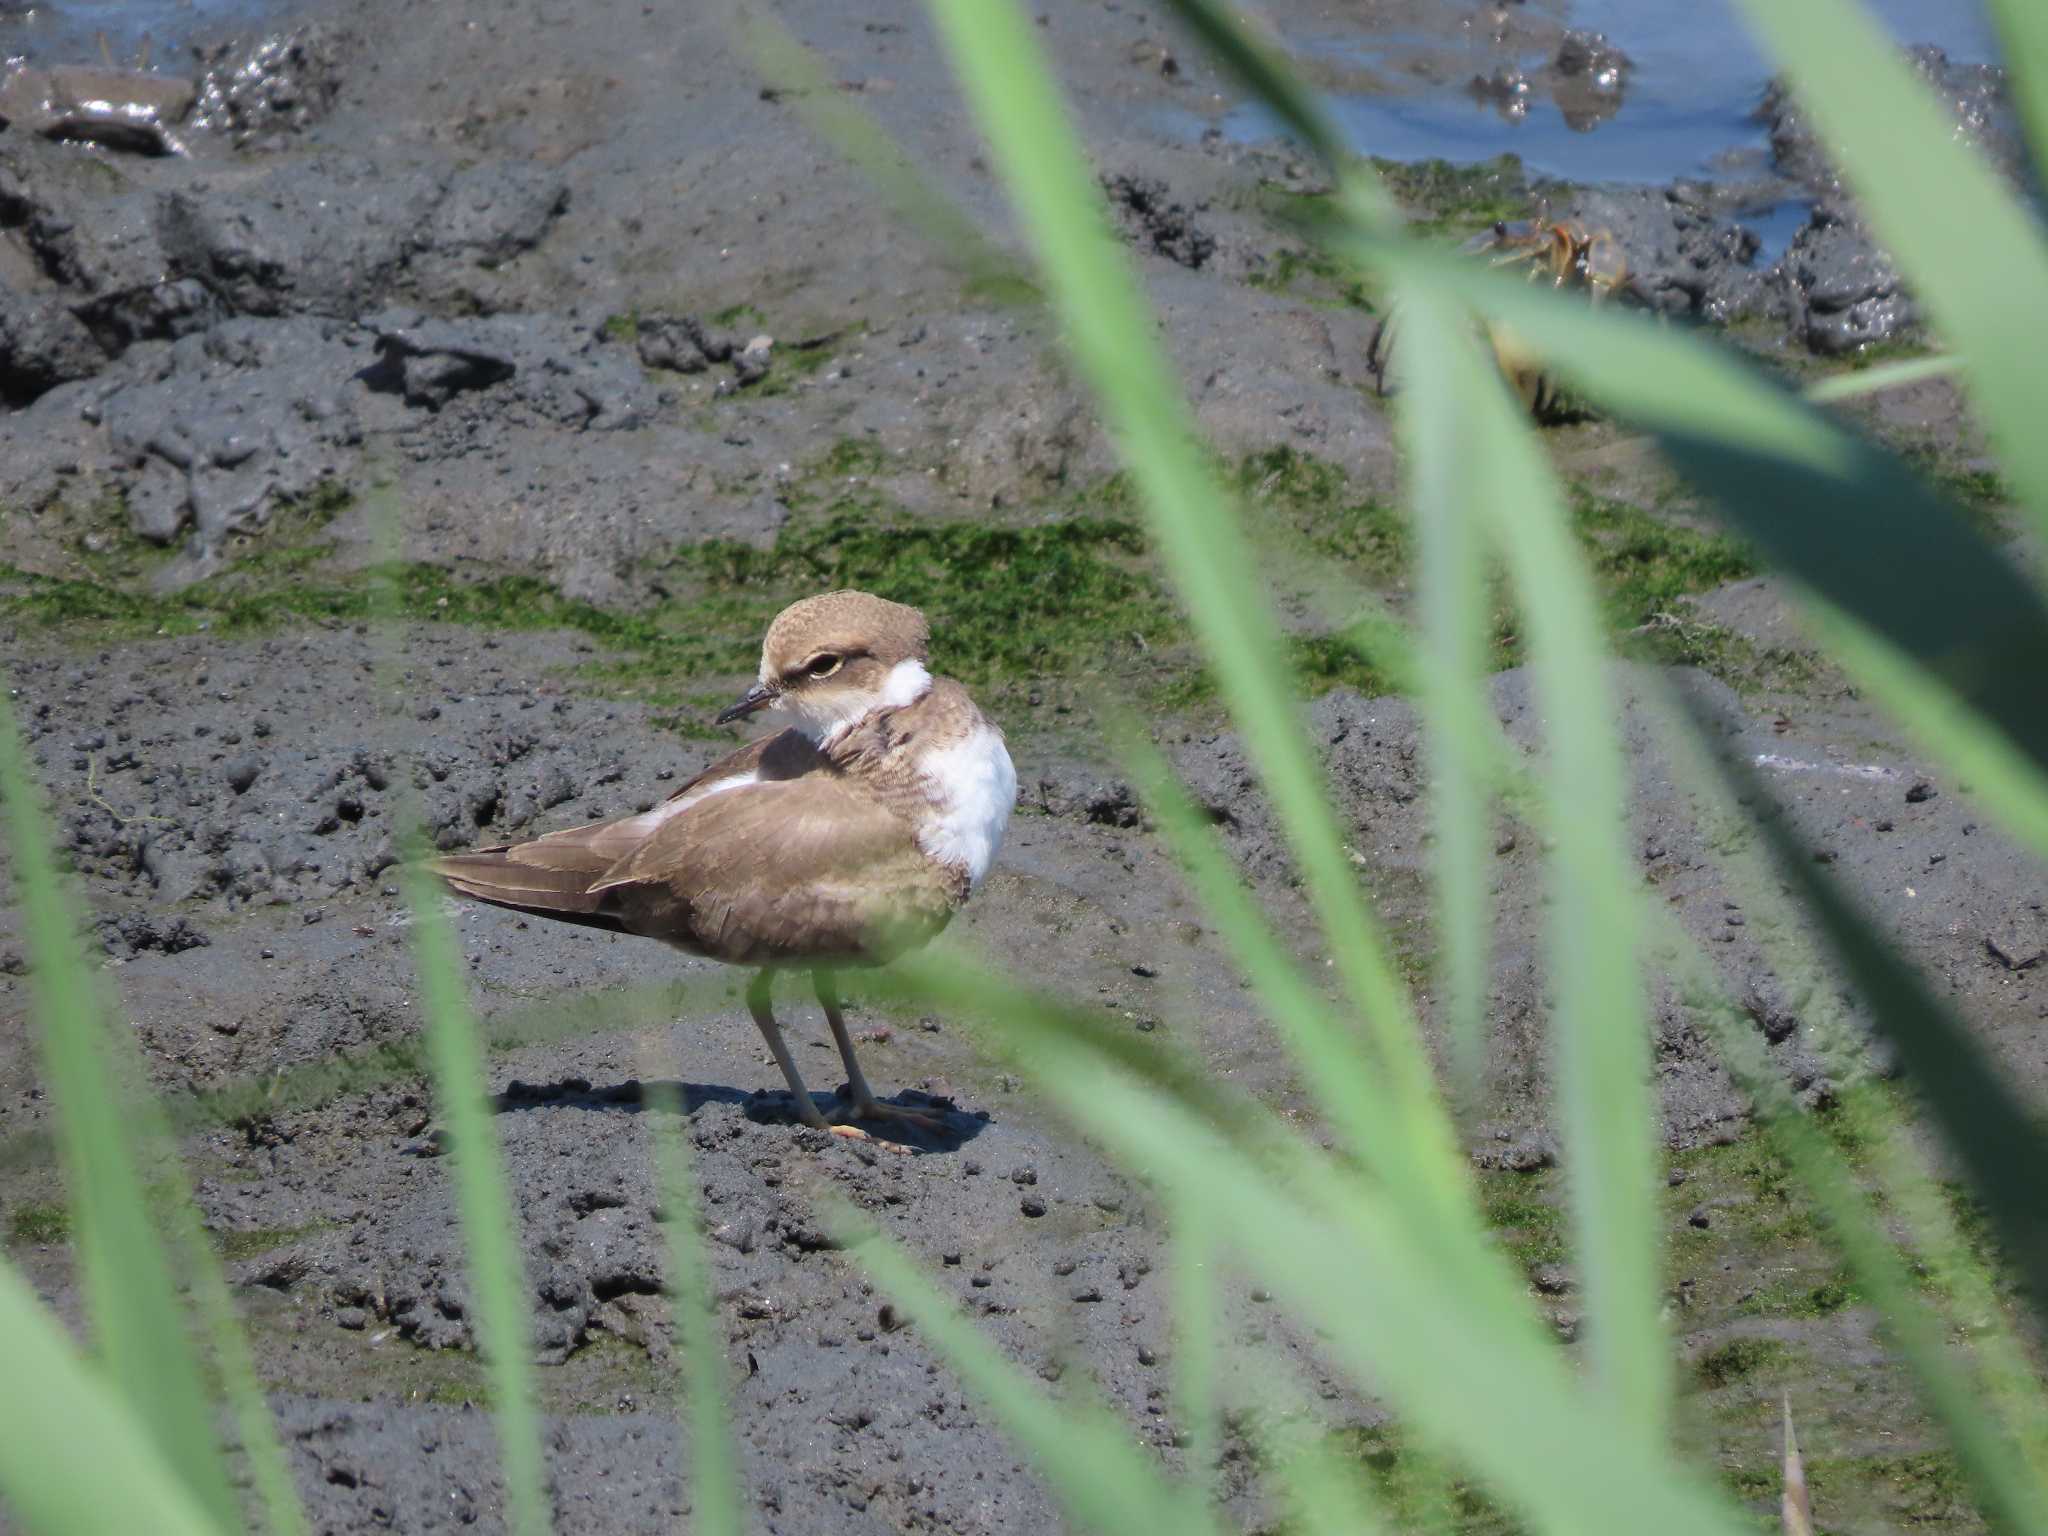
(973, 789)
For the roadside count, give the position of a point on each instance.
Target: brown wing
(803, 869)
(554, 876)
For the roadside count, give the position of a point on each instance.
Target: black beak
(760, 696)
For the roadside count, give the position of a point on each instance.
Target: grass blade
(1449, 490)
(1477, 1381)
(2000, 1140)
(1196, 1325)
(1871, 381)
(716, 1505)
(1326, 1498)
(1795, 1509)
(488, 1220)
(854, 134)
(489, 1226)
(1840, 516)
(130, 1293)
(1002, 67)
(1600, 1019)
(1100, 1476)
(1974, 254)
(73, 1455)
(2023, 39)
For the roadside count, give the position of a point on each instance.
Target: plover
(853, 833)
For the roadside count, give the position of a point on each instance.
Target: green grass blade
(2013, 786)
(500, 1323)
(131, 1295)
(1974, 254)
(489, 1226)
(1480, 1382)
(1101, 1477)
(1197, 1323)
(1871, 381)
(1999, 1139)
(1842, 517)
(2023, 40)
(1984, 1446)
(1260, 70)
(1600, 1018)
(74, 1456)
(1002, 68)
(716, 1503)
(1326, 1497)
(1449, 490)
(853, 133)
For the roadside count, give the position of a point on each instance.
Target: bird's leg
(865, 1105)
(760, 1004)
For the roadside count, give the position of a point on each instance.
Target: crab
(1563, 251)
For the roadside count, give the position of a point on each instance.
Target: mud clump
(277, 85)
(1151, 219)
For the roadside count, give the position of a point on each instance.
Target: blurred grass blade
(1795, 1509)
(1093, 1465)
(1871, 381)
(499, 1323)
(1475, 1380)
(74, 1457)
(715, 1502)
(131, 1297)
(1833, 511)
(1334, 1067)
(1974, 254)
(1999, 1139)
(2012, 785)
(1326, 1496)
(1600, 1016)
(489, 1226)
(1449, 488)
(794, 71)
(1261, 71)
(1002, 68)
(2023, 40)
(1197, 1326)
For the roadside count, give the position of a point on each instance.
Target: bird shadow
(954, 1130)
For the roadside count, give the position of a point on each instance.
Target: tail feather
(559, 889)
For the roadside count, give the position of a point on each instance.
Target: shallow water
(159, 32)
(1686, 107)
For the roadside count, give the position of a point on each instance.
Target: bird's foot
(871, 1108)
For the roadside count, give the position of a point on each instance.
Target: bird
(848, 836)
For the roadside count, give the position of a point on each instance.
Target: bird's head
(829, 660)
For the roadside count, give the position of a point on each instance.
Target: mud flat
(630, 358)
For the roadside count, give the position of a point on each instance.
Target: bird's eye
(823, 666)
